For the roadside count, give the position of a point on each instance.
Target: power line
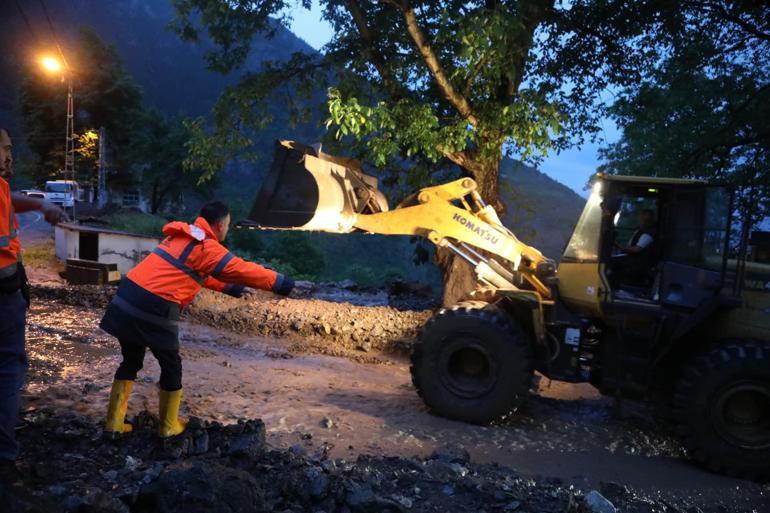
(26, 20)
(55, 37)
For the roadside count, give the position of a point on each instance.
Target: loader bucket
(306, 189)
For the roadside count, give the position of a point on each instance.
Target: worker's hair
(648, 211)
(214, 211)
(8, 132)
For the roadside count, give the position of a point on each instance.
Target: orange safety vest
(191, 257)
(10, 246)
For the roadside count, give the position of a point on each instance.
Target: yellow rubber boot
(116, 411)
(170, 423)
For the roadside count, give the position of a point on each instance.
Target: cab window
(583, 246)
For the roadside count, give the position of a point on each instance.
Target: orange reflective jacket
(190, 257)
(10, 247)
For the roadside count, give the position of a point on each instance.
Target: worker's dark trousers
(13, 367)
(169, 360)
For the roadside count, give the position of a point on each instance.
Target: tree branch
(531, 20)
(431, 60)
(720, 10)
(370, 50)
(456, 157)
(476, 70)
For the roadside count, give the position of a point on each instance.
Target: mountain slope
(172, 73)
(540, 211)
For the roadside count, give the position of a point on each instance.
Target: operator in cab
(145, 310)
(637, 255)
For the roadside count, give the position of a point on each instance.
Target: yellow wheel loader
(686, 326)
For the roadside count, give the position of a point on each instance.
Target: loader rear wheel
(471, 363)
(722, 404)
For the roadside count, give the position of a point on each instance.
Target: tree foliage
(144, 146)
(419, 85)
(701, 110)
(158, 152)
(424, 84)
(105, 95)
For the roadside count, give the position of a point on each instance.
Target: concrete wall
(123, 249)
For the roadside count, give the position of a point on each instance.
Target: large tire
(471, 363)
(722, 408)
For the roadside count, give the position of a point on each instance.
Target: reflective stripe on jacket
(190, 257)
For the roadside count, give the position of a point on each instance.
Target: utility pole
(69, 154)
(102, 199)
(53, 65)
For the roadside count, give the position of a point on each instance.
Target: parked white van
(62, 192)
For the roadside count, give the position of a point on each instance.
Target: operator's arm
(231, 289)
(22, 203)
(644, 242)
(216, 261)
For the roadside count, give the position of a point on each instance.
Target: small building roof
(95, 229)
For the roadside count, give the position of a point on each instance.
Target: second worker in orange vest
(145, 310)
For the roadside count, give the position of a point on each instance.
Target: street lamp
(50, 64)
(53, 65)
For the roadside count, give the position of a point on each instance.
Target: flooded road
(344, 408)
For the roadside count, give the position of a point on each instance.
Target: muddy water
(344, 408)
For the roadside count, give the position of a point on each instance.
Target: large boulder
(203, 487)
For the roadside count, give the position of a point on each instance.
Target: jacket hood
(199, 230)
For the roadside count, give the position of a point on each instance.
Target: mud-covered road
(329, 383)
(336, 407)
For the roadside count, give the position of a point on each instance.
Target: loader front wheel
(471, 363)
(722, 404)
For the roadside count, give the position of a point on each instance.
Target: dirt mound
(324, 326)
(314, 325)
(228, 468)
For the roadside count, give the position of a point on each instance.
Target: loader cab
(647, 242)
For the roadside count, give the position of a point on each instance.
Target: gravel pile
(338, 326)
(67, 466)
(315, 325)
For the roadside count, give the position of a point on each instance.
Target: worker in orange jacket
(14, 300)
(144, 312)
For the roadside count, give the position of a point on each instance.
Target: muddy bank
(313, 325)
(229, 469)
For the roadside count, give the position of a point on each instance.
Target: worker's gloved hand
(302, 289)
(52, 213)
(248, 292)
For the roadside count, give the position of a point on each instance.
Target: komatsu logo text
(481, 232)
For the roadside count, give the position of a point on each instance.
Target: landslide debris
(215, 468)
(314, 325)
(321, 326)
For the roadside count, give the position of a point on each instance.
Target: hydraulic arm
(309, 190)
(455, 217)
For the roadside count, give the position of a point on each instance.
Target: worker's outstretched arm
(51, 212)
(231, 289)
(217, 262)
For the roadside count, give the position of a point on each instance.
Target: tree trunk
(458, 275)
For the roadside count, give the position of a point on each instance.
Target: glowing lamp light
(51, 64)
